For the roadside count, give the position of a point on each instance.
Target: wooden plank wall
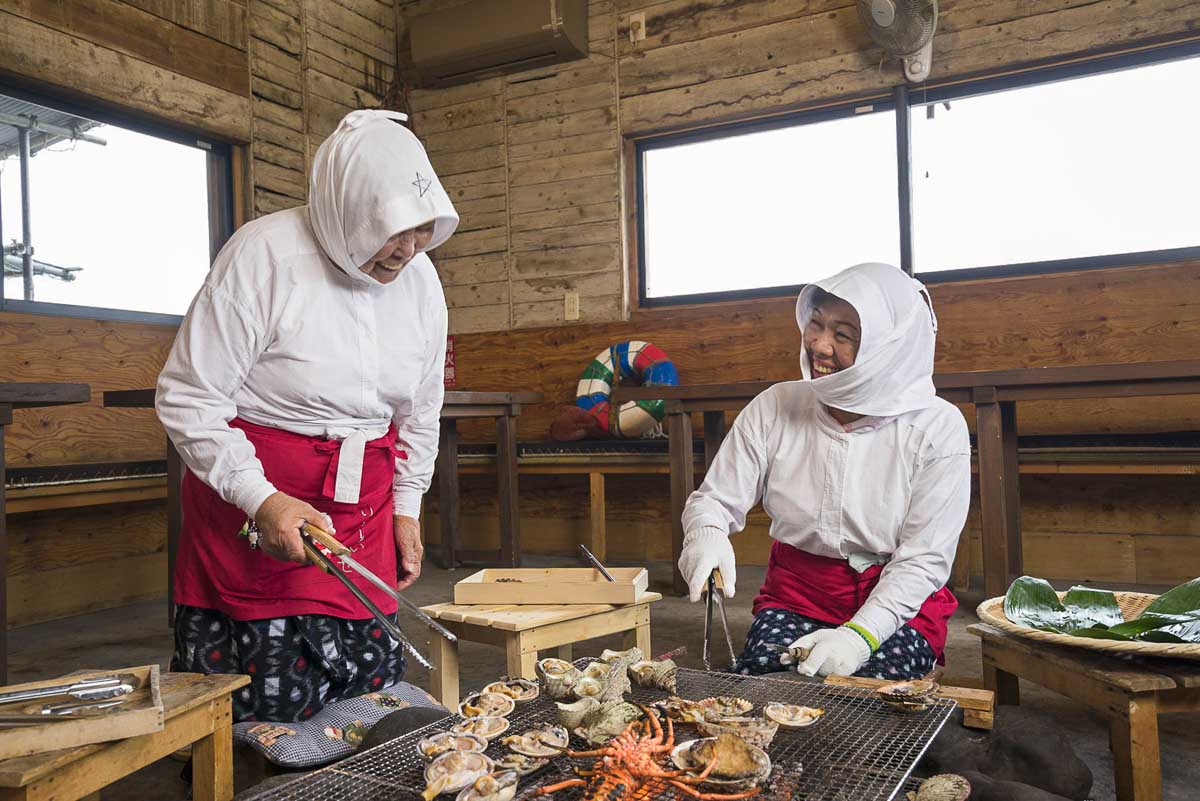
(274, 76)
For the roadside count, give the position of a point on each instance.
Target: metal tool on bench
(596, 562)
(94, 689)
(715, 594)
(314, 539)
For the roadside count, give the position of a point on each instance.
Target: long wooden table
(23, 396)
(994, 393)
(504, 408)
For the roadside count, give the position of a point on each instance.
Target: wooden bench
(197, 711)
(523, 629)
(1130, 693)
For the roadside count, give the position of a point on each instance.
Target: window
(1073, 169)
(767, 208)
(118, 218)
(1091, 164)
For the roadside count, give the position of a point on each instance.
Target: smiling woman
(397, 252)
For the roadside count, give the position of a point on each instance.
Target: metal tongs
(94, 689)
(715, 593)
(316, 542)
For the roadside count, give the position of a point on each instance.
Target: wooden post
(683, 481)
(5, 419)
(508, 490)
(567, 652)
(714, 435)
(1012, 492)
(174, 523)
(447, 470)
(212, 756)
(1133, 735)
(993, 491)
(1005, 685)
(520, 655)
(599, 530)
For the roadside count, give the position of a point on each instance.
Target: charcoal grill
(860, 750)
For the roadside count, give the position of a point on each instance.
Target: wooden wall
(272, 77)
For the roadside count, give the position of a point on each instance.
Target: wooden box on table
(558, 585)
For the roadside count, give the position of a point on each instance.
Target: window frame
(220, 185)
(903, 100)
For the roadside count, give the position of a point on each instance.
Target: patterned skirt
(904, 655)
(296, 664)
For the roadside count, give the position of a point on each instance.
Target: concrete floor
(138, 634)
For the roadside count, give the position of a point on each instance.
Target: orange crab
(629, 768)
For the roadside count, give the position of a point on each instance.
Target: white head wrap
(371, 180)
(893, 372)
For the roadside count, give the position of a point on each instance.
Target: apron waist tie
(343, 480)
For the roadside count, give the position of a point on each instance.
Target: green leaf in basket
(1097, 633)
(1033, 602)
(1161, 636)
(1182, 600)
(1093, 607)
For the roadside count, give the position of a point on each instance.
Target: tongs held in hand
(715, 594)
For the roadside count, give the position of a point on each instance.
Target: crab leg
(692, 791)
(553, 788)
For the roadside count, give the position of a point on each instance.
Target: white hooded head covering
(893, 372)
(371, 179)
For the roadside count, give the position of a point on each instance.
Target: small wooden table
(197, 711)
(23, 396)
(505, 407)
(1130, 693)
(523, 630)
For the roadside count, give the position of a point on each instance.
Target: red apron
(831, 591)
(216, 569)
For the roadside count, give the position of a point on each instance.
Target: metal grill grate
(860, 750)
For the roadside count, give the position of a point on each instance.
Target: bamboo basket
(991, 612)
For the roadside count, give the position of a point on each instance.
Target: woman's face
(398, 251)
(832, 336)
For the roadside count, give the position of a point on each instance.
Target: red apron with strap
(216, 569)
(831, 591)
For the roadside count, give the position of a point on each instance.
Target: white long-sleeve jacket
(896, 487)
(280, 336)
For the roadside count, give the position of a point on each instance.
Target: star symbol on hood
(422, 185)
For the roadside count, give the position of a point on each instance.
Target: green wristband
(866, 635)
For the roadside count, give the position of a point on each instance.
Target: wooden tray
(142, 713)
(556, 585)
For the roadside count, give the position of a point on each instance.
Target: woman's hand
(279, 520)
(407, 531)
(703, 550)
(831, 652)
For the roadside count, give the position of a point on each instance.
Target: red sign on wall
(450, 379)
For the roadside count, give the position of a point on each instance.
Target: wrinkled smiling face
(386, 265)
(832, 336)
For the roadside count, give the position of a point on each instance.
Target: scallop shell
(655, 675)
(791, 716)
(545, 741)
(437, 744)
(681, 756)
(572, 715)
(726, 706)
(681, 710)
(518, 689)
(908, 696)
(479, 705)
(499, 786)
(558, 677)
(631, 655)
(520, 763)
(488, 727)
(454, 770)
(758, 732)
(944, 787)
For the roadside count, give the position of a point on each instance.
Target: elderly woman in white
(865, 474)
(305, 386)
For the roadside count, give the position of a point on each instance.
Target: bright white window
(118, 225)
(769, 208)
(1093, 166)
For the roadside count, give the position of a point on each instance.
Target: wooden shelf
(89, 493)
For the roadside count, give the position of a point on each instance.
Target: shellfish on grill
(739, 764)
(725, 706)
(523, 765)
(489, 727)
(499, 786)
(908, 696)
(655, 675)
(545, 741)
(607, 721)
(437, 744)
(758, 732)
(557, 677)
(454, 770)
(681, 710)
(478, 705)
(629, 655)
(597, 670)
(572, 715)
(944, 787)
(518, 689)
(791, 716)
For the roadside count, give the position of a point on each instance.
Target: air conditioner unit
(485, 38)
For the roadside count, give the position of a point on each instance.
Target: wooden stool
(1129, 692)
(523, 630)
(196, 711)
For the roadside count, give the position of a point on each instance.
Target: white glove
(706, 548)
(832, 652)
